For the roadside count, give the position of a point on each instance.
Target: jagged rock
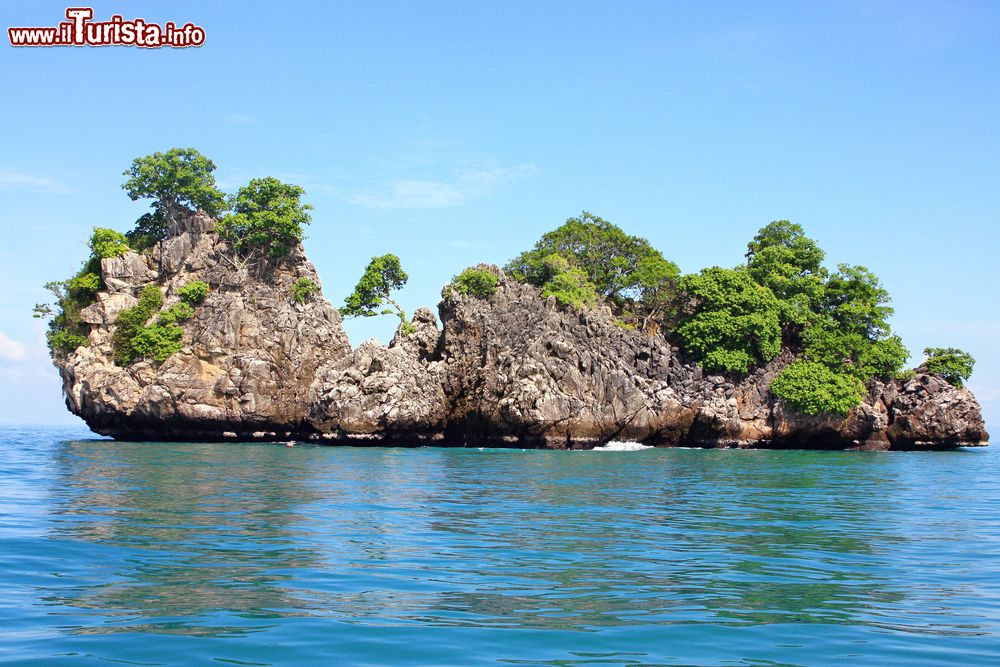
(250, 352)
(513, 369)
(927, 412)
(389, 394)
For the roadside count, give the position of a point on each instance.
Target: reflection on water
(234, 541)
(201, 530)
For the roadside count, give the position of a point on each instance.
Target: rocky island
(203, 327)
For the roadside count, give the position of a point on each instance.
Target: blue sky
(454, 132)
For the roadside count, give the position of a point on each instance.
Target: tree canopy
(373, 293)
(267, 219)
(783, 259)
(731, 322)
(179, 176)
(608, 257)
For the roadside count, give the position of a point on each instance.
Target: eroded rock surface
(250, 351)
(512, 369)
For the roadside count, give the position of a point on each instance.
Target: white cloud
(467, 184)
(12, 180)
(11, 350)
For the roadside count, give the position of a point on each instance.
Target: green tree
(783, 259)
(656, 279)
(608, 256)
(852, 352)
(66, 329)
(158, 341)
(951, 363)
(150, 229)
(178, 312)
(181, 176)
(731, 322)
(131, 321)
(382, 276)
(857, 302)
(267, 219)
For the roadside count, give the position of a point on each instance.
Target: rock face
(512, 369)
(250, 351)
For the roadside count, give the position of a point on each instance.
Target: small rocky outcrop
(512, 369)
(250, 351)
(384, 394)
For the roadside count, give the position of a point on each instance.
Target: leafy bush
(814, 389)
(267, 219)
(175, 313)
(194, 292)
(106, 243)
(67, 330)
(84, 286)
(951, 363)
(131, 321)
(852, 352)
(478, 282)
(302, 289)
(65, 341)
(158, 341)
(734, 322)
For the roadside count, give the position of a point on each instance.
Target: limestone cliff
(250, 351)
(512, 369)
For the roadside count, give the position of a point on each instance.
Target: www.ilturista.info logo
(80, 30)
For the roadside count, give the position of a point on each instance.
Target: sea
(121, 553)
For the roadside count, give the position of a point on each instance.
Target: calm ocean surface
(181, 554)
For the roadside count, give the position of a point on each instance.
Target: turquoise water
(180, 554)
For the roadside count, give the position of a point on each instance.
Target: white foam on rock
(618, 446)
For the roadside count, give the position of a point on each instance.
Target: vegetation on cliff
(66, 330)
(373, 294)
(267, 219)
(734, 319)
(728, 320)
(952, 364)
(302, 289)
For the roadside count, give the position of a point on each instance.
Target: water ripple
(259, 555)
